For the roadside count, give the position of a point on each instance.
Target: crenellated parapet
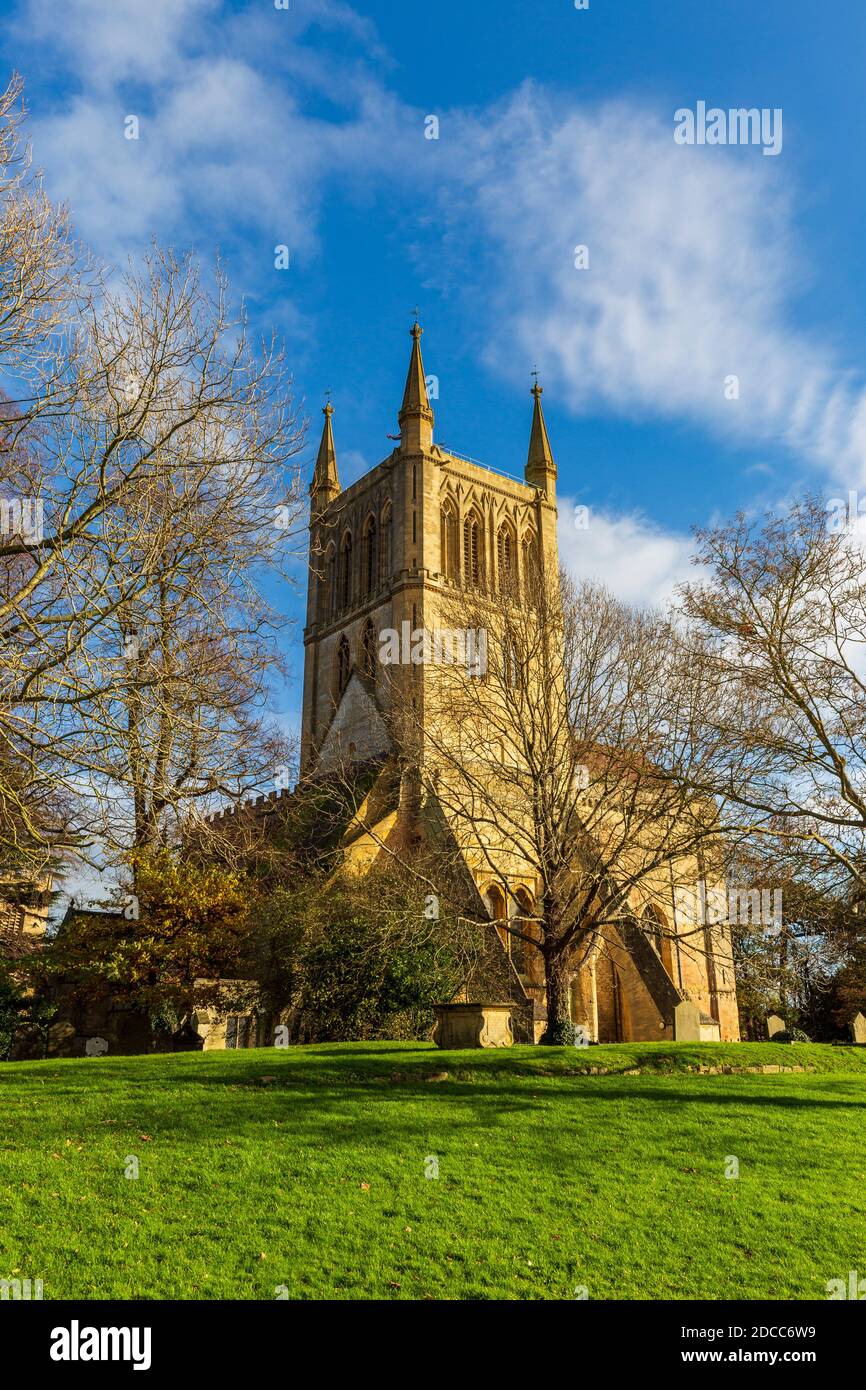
(257, 805)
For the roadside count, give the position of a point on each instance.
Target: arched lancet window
(368, 650)
(370, 557)
(385, 559)
(526, 959)
(528, 557)
(505, 557)
(346, 571)
(448, 531)
(512, 663)
(329, 584)
(494, 900)
(473, 550)
(619, 1010)
(712, 979)
(656, 927)
(344, 664)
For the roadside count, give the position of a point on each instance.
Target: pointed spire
(326, 483)
(416, 417)
(540, 467)
(415, 395)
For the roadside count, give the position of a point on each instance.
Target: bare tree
(781, 616)
(41, 268)
(148, 461)
(185, 661)
(146, 636)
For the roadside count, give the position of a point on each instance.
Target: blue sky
(306, 127)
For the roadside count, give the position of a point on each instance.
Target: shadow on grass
(341, 1118)
(350, 1062)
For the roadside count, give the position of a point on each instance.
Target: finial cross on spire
(536, 389)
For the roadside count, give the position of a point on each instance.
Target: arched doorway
(612, 1001)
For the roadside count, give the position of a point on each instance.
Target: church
(388, 554)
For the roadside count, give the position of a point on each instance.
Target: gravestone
(775, 1025)
(186, 1039)
(858, 1030)
(687, 1022)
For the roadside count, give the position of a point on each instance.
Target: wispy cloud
(693, 267)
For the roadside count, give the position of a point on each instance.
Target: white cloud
(638, 561)
(127, 39)
(149, 41)
(693, 269)
(226, 149)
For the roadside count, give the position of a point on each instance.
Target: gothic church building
(389, 550)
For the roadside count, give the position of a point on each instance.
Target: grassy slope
(547, 1180)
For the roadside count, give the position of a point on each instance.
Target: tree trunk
(559, 1028)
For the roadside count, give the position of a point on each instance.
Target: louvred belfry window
(505, 557)
(346, 571)
(448, 524)
(472, 535)
(370, 574)
(385, 546)
(329, 598)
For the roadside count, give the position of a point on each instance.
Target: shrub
(561, 1033)
(358, 959)
(193, 923)
(791, 1035)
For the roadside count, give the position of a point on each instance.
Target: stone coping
(497, 1004)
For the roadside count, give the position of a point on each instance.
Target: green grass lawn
(547, 1179)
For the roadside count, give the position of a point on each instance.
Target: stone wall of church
(703, 953)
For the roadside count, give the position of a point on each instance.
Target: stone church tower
(390, 549)
(387, 554)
